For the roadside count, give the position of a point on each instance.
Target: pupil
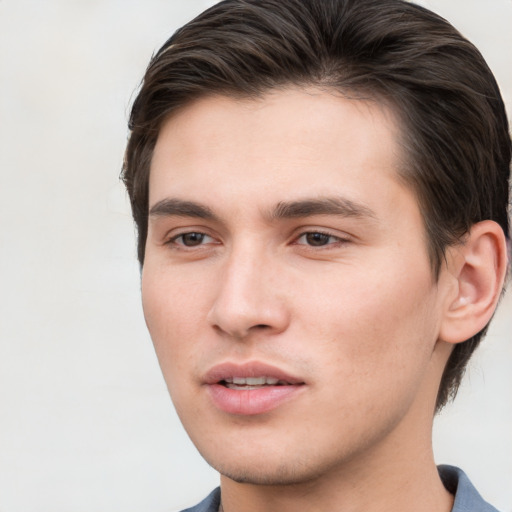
(191, 239)
(317, 239)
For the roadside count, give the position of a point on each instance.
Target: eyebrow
(180, 208)
(283, 210)
(322, 206)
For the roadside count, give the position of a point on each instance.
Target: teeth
(252, 381)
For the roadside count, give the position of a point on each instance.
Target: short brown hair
(454, 124)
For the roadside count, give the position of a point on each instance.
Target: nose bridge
(247, 297)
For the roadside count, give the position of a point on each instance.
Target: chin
(280, 476)
(263, 470)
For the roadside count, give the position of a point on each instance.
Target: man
(320, 190)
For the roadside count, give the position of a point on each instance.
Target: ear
(478, 266)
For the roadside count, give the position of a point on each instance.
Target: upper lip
(229, 370)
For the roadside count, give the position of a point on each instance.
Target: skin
(353, 310)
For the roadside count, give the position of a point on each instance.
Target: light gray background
(85, 421)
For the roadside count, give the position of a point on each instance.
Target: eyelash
(337, 240)
(174, 240)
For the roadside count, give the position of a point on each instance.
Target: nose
(249, 298)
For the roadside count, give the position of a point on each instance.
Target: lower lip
(249, 402)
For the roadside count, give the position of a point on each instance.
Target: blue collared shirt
(467, 498)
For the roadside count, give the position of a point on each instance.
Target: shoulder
(209, 504)
(467, 498)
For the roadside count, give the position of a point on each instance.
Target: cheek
(172, 310)
(375, 324)
(375, 355)
(171, 323)
(172, 299)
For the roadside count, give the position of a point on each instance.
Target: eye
(191, 239)
(319, 239)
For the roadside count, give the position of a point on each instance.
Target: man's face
(287, 287)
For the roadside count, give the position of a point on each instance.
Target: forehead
(286, 143)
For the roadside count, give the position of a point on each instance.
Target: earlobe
(479, 265)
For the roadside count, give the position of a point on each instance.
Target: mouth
(250, 374)
(250, 389)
